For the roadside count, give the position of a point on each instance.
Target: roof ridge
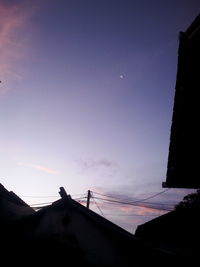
(11, 196)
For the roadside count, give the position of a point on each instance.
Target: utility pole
(88, 199)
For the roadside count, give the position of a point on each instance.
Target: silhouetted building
(11, 206)
(183, 158)
(66, 233)
(177, 233)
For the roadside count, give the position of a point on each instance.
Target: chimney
(63, 193)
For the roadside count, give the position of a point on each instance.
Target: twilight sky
(86, 97)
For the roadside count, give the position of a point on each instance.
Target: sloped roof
(67, 203)
(25, 234)
(12, 207)
(130, 246)
(91, 215)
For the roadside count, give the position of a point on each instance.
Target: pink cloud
(127, 209)
(149, 211)
(13, 19)
(143, 211)
(39, 167)
(45, 169)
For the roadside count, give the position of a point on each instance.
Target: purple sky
(86, 97)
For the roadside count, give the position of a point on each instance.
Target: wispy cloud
(39, 167)
(92, 164)
(45, 169)
(13, 18)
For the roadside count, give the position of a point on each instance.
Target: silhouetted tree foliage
(190, 201)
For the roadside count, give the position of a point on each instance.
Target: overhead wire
(114, 200)
(49, 196)
(140, 202)
(133, 204)
(134, 201)
(49, 203)
(97, 205)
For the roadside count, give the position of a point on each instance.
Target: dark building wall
(177, 233)
(183, 158)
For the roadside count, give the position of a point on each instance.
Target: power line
(46, 203)
(133, 204)
(50, 196)
(97, 206)
(114, 200)
(135, 201)
(109, 196)
(155, 195)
